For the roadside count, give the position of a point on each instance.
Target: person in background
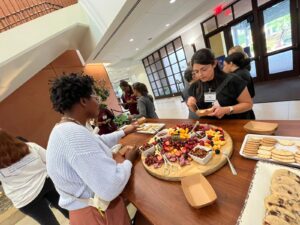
(190, 78)
(237, 63)
(80, 163)
(24, 179)
(106, 122)
(238, 48)
(128, 98)
(227, 95)
(145, 102)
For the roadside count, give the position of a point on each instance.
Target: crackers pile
(264, 148)
(283, 205)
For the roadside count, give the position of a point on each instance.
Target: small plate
(116, 148)
(198, 191)
(256, 127)
(204, 112)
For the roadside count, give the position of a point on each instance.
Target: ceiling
(146, 24)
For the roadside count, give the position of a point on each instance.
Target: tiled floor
(174, 108)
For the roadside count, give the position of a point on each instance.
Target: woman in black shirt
(226, 94)
(237, 63)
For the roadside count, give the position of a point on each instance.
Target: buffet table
(163, 202)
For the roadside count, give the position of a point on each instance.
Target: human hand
(130, 129)
(132, 154)
(191, 103)
(219, 111)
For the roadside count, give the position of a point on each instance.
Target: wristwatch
(230, 110)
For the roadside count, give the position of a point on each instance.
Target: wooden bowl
(255, 127)
(198, 191)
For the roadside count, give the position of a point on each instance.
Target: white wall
(139, 75)
(28, 48)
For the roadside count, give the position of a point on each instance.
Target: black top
(246, 76)
(227, 93)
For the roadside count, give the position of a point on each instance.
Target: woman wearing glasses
(225, 95)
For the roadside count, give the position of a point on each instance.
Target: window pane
(155, 92)
(253, 68)
(178, 78)
(210, 25)
(172, 58)
(166, 62)
(277, 26)
(164, 82)
(171, 80)
(146, 63)
(276, 65)
(177, 43)
(156, 56)
(151, 60)
(161, 74)
(158, 84)
(151, 78)
(180, 54)
(174, 88)
(217, 43)
(175, 68)
(161, 91)
(183, 65)
(148, 70)
(156, 76)
(153, 68)
(153, 85)
(163, 52)
(167, 90)
(224, 17)
(242, 7)
(158, 65)
(242, 35)
(170, 48)
(261, 2)
(169, 71)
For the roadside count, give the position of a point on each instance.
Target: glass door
(278, 50)
(241, 34)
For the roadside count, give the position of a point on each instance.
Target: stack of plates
(255, 127)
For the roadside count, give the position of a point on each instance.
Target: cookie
(280, 152)
(283, 214)
(290, 192)
(274, 220)
(267, 148)
(285, 180)
(284, 172)
(264, 152)
(280, 201)
(284, 160)
(297, 143)
(264, 156)
(286, 142)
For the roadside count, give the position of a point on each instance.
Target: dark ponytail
(238, 59)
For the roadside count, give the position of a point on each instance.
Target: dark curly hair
(67, 90)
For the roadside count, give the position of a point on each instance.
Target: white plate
(292, 148)
(253, 211)
(153, 128)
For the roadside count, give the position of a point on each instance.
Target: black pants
(39, 208)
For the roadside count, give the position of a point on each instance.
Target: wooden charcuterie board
(177, 172)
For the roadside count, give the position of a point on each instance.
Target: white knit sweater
(80, 164)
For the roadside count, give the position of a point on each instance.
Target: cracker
(264, 152)
(281, 152)
(267, 148)
(286, 142)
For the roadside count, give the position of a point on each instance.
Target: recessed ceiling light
(172, 1)
(131, 40)
(137, 49)
(167, 24)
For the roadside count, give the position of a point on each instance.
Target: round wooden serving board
(216, 162)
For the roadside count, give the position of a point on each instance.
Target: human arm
(244, 104)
